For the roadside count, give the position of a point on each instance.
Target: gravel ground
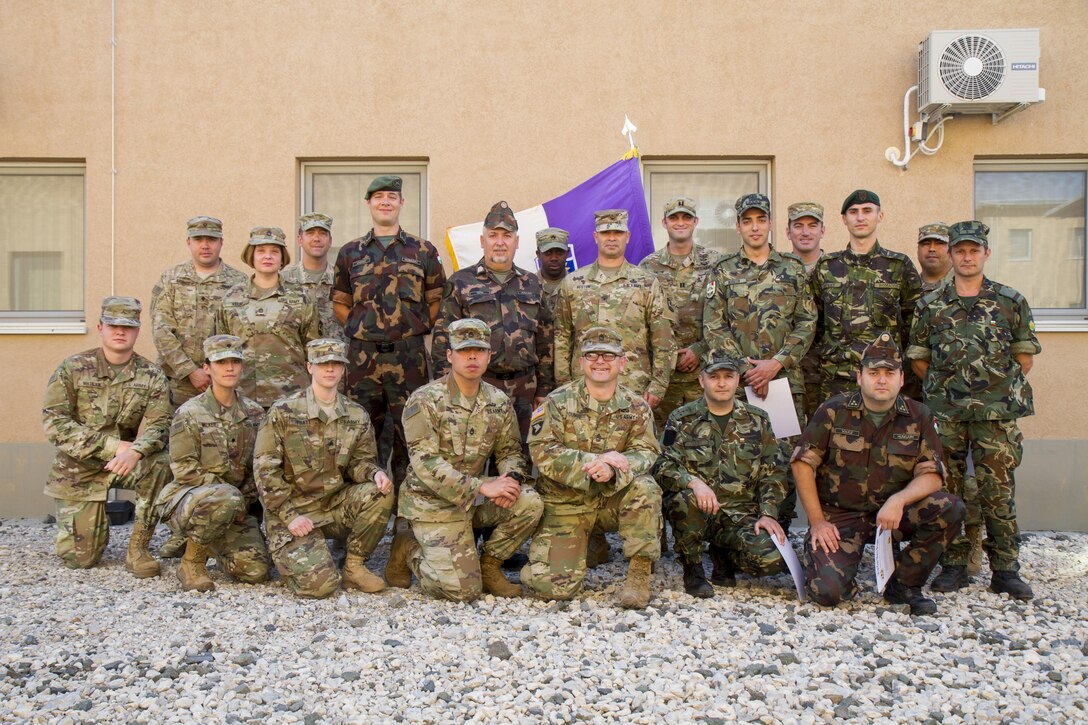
(99, 646)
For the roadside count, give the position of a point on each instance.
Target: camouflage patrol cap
(384, 183)
(266, 235)
(501, 216)
(803, 209)
(860, 196)
(204, 226)
(936, 230)
(221, 347)
(469, 333)
(722, 360)
(680, 205)
(882, 353)
(552, 238)
(970, 231)
(315, 221)
(121, 311)
(602, 339)
(607, 220)
(326, 349)
(753, 201)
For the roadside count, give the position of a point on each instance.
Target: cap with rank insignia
(552, 238)
(609, 220)
(221, 347)
(602, 339)
(937, 231)
(753, 201)
(266, 235)
(722, 360)
(204, 226)
(384, 183)
(121, 311)
(326, 349)
(680, 205)
(882, 353)
(860, 196)
(315, 221)
(469, 333)
(971, 231)
(501, 217)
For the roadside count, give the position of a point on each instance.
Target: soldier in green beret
(973, 343)
(107, 411)
(314, 270)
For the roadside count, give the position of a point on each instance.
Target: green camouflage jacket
(319, 286)
(549, 293)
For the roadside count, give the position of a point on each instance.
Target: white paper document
(779, 407)
(794, 565)
(883, 558)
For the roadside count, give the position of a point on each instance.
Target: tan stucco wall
(217, 103)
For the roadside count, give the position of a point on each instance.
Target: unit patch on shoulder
(711, 288)
(412, 409)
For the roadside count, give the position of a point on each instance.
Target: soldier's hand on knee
(502, 491)
(125, 461)
(383, 482)
(300, 526)
(772, 527)
(825, 535)
(890, 514)
(705, 497)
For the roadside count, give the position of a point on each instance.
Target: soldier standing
(805, 230)
(211, 456)
(933, 256)
(973, 343)
(314, 270)
(872, 457)
(724, 477)
(682, 269)
(315, 463)
(386, 291)
(508, 300)
(275, 321)
(552, 250)
(453, 426)
(593, 443)
(107, 411)
(183, 308)
(860, 292)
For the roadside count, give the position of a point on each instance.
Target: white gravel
(100, 646)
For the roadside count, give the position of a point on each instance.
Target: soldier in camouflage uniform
(682, 269)
(724, 477)
(508, 299)
(933, 257)
(552, 250)
(211, 456)
(314, 271)
(315, 463)
(758, 308)
(973, 343)
(860, 292)
(805, 231)
(386, 290)
(593, 443)
(873, 457)
(453, 426)
(183, 307)
(107, 411)
(274, 319)
(615, 293)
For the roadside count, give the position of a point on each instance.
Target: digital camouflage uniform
(308, 463)
(389, 291)
(211, 456)
(90, 408)
(521, 364)
(683, 282)
(569, 430)
(939, 232)
(317, 283)
(743, 464)
(183, 309)
(450, 438)
(977, 390)
(858, 467)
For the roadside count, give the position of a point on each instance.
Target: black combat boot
(695, 582)
(951, 579)
(1011, 583)
(722, 575)
(897, 593)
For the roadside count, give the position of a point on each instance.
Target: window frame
(49, 322)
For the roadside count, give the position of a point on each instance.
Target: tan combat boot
(397, 572)
(493, 580)
(635, 593)
(357, 576)
(138, 561)
(193, 571)
(974, 559)
(597, 551)
(173, 547)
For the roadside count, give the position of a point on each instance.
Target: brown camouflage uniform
(319, 287)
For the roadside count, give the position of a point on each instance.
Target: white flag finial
(629, 130)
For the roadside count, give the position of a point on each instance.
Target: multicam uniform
(311, 463)
(549, 294)
(568, 430)
(318, 285)
(745, 467)
(450, 438)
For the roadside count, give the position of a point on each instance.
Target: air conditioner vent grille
(972, 67)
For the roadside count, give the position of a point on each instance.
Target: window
(41, 247)
(1036, 214)
(714, 185)
(338, 188)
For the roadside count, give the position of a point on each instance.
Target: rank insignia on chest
(711, 288)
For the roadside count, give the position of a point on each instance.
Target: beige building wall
(217, 104)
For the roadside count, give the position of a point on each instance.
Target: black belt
(509, 376)
(407, 343)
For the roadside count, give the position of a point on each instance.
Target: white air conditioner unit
(978, 71)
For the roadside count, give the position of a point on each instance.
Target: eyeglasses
(595, 356)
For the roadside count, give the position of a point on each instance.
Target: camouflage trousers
(787, 510)
(522, 393)
(209, 515)
(678, 393)
(83, 529)
(357, 513)
(446, 561)
(810, 371)
(996, 449)
(830, 386)
(381, 382)
(749, 552)
(929, 525)
(557, 556)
